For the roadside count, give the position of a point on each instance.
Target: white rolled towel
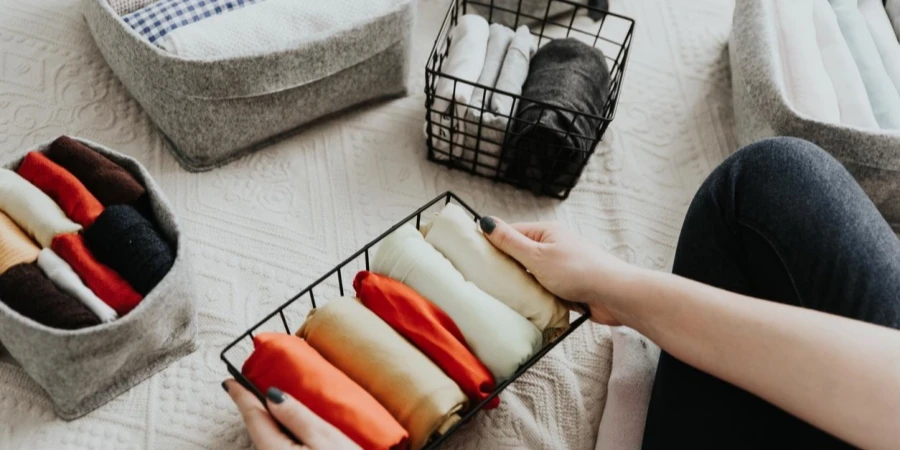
(808, 88)
(456, 235)
(33, 210)
(883, 34)
(67, 280)
(882, 93)
(848, 84)
(512, 76)
(500, 337)
(465, 60)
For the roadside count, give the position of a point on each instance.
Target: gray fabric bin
(213, 111)
(762, 110)
(83, 369)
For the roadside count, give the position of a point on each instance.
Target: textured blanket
(265, 226)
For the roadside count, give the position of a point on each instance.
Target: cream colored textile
(416, 392)
(499, 336)
(33, 210)
(455, 234)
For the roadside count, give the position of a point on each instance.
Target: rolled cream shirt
(62, 275)
(35, 212)
(411, 387)
(500, 337)
(456, 235)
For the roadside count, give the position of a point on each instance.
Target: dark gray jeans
(783, 221)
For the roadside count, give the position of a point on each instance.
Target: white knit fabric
(122, 7)
(628, 392)
(269, 26)
(808, 88)
(883, 35)
(497, 335)
(848, 84)
(455, 234)
(33, 210)
(67, 280)
(880, 88)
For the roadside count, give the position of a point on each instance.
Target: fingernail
(225, 386)
(487, 224)
(275, 395)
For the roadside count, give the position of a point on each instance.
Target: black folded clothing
(550, 146)
(27, 290)
(127, 242)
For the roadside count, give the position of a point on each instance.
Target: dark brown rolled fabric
(27, 291)
(109, 182)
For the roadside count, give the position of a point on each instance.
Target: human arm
(838, 374)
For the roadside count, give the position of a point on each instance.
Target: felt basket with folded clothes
(221, 78)
(419, 331)
(525, 100)
(94, 292)
(827, 71)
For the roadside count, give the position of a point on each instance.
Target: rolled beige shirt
(417, 393)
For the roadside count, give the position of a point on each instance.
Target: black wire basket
(465, 141)
(288, 317)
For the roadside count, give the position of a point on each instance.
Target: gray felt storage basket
(215, 110)
(83, 369)
(762, 110)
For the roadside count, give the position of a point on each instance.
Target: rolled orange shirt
(105, 282)
(287, 362)
(430, 329)
(72, 197)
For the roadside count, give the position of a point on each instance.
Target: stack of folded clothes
(78, 246)
(441, 319)
(503, 107)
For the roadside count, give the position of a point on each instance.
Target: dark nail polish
(225, 386)
(487, 224)
(275, 395)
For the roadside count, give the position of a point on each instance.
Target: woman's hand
(563, 262)
(315, 433)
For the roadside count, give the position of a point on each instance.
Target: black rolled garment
(549, 146)
(127, 242)
(27, 290)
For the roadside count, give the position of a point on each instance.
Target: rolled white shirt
(68, 281)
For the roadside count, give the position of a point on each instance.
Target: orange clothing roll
(72, 197)
(15, 246)
(105, 282)
(430, 329)
(290, 364)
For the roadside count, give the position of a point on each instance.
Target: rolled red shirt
(70, 194)
(287, 362)
(105, 282)
(430, 329)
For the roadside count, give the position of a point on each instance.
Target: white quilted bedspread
(267, 225)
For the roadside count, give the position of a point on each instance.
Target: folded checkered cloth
(156, 20)
(122, 7)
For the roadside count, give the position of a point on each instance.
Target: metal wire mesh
(547, 163)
